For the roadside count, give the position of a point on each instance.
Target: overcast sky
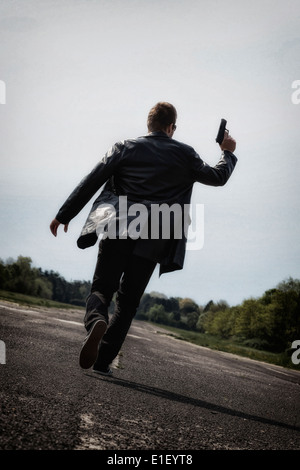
(83, 74)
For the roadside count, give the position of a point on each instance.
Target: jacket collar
(157, 134)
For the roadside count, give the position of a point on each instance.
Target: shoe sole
(89, 350)
(109, 373)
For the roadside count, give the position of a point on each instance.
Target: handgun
(221, 132)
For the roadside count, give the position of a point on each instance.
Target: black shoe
(89, 351)
(104, 371)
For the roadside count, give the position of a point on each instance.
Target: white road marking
(69, 321)
(139, 337)
(86, 425)
(30, 311)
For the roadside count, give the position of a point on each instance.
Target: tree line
(19, 276)
(270, 322)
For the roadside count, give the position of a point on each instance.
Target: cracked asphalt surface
(165, 394)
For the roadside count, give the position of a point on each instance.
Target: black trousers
(117, 270)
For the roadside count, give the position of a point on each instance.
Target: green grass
(33, 301)
(227, 345)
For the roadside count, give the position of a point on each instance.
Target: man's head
(162, 117)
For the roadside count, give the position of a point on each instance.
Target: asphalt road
(165, 395)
